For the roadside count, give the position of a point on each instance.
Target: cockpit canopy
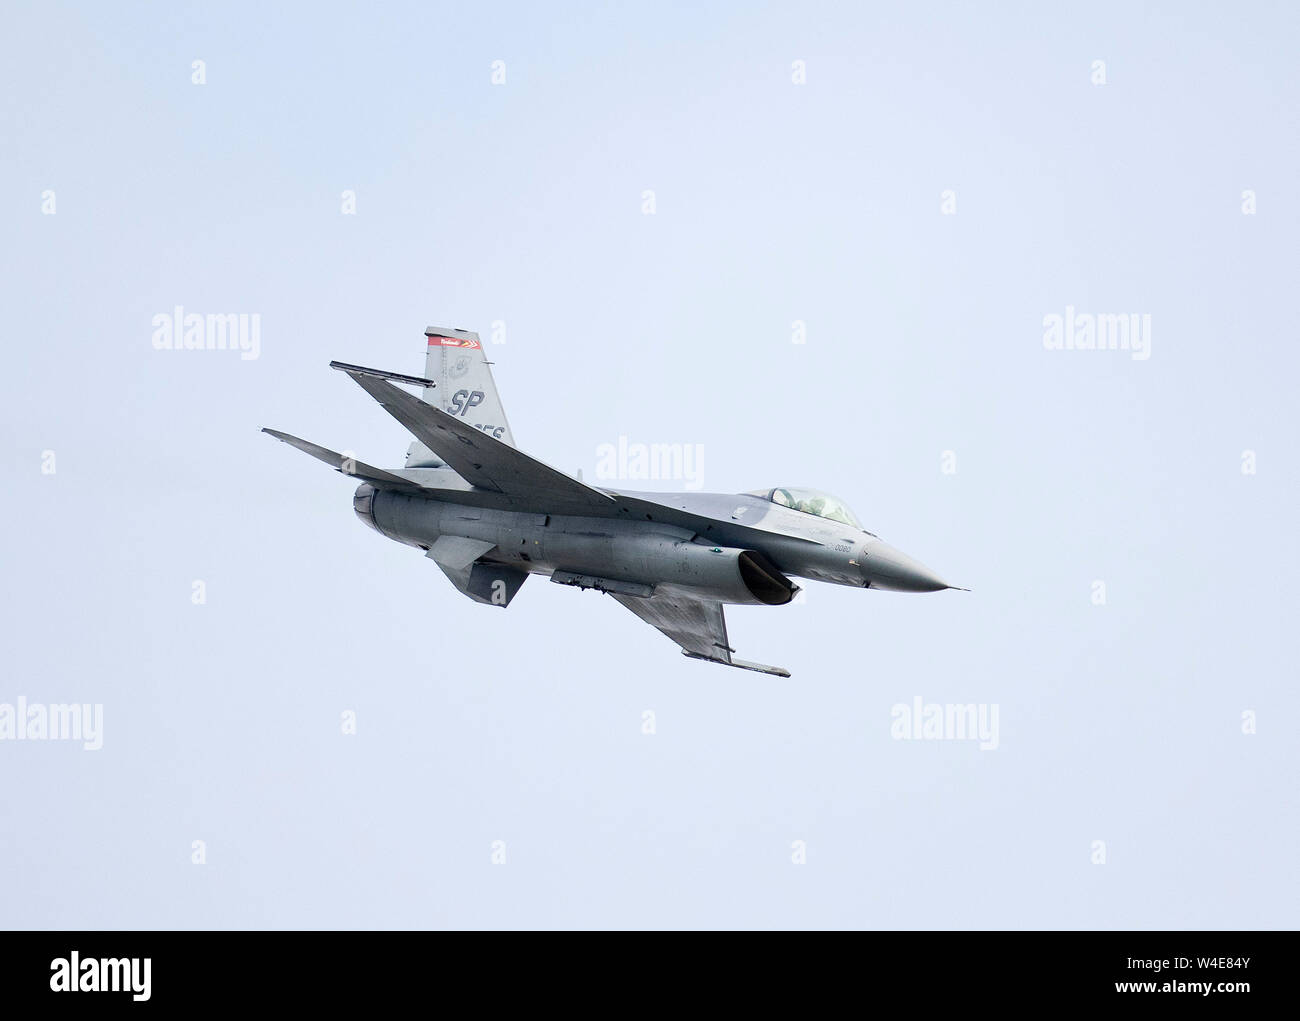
(810, 501)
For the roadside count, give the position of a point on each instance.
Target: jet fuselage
(688, 540)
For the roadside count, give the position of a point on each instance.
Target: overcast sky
(815, 244)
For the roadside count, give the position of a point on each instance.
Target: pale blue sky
(775, 203)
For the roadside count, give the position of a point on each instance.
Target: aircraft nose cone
(887, 568)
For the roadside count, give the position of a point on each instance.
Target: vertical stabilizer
(456, 361)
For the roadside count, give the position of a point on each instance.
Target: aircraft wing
(697, 625)
(480, 459)
(347, 465)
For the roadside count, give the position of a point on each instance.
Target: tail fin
(457, 363)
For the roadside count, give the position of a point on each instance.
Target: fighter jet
(490, 515)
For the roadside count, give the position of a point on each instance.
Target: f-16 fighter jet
(490, 515)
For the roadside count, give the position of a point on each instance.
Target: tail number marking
(463, 400)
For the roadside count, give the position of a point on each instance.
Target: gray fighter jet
(489, 515)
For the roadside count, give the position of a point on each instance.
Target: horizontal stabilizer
(347, 465)
(396, 377)
(483, 461)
